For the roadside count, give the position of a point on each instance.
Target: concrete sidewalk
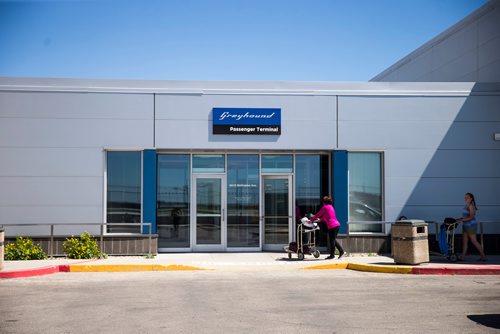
(248, 261)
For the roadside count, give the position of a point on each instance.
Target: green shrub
(24, 249)
(84, 247)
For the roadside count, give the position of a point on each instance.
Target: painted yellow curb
(379, 268)
(341, 265)
(178, 267)
(129, 267)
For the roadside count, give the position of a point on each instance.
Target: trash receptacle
(410, 243)
(2, 234)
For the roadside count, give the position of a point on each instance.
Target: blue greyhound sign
(246, 121)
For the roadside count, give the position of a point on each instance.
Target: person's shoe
(331, 257)
(460, 258)
(341, 254)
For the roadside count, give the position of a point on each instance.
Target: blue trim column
(149, 189)
(340, 188)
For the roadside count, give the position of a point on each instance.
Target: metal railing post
(102, 239)
(51, 246)
(149, 236)
(481, 236)
(348, 240)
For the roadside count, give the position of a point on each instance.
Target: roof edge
(246, 87)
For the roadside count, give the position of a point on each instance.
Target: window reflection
(276, 210)
(173, 201)
(123, 191)
(277, 163)
(243, 200)
(208, 163)
(208, 211)
(365, 190)
(311, 175)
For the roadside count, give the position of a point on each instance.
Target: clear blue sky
(293, 40)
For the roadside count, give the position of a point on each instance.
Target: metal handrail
(436, 224)
(101, 234)
(481, 228)
(368, 222)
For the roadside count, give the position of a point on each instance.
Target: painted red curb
(469, 270)
(30, 272)
(64, 268)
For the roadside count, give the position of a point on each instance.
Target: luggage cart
(446, 239)
(306, 240)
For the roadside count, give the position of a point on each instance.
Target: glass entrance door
(209, 203)
(277, 219)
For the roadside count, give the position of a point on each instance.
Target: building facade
(232, 166)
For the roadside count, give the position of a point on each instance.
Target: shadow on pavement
(295, 259)
(488, 320)
(472, 260)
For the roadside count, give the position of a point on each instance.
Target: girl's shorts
(470, 230)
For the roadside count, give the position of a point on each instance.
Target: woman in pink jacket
(327, 215)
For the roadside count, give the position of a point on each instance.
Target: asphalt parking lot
(238, 301)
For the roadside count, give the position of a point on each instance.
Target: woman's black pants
(332, 234)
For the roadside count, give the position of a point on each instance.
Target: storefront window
(173, 193)
(365, 190)
(311, 175)
(277, 163)
(243, 200)
(123, 191)
(208, 163)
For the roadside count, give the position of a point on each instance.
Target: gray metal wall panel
(451, 190)
(184, 122)
(467, 51)
(23, 132)
(488, 52)
(480, 108)
(488, 27)
(51, 191)
(418, 66)
(472, 136)
(387, 134)
(57, 162)
(43, 230)
(490, 72)
(464, 163)
(456, 67)
(299, 135)
(462, 42)
(405, 163)
(199, 107)
(51, 214)
(51, 144)
(435, 148)
(397, 108)
(397, 191)
(76, 105)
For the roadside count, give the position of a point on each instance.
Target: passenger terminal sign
(246, 121)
